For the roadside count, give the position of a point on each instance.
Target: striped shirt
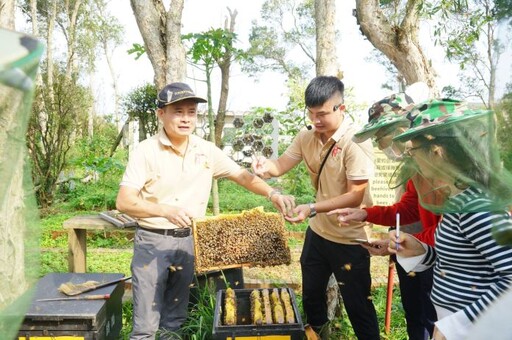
(471, 269)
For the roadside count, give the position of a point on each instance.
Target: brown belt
(175, 232)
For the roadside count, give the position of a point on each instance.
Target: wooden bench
(77, 238)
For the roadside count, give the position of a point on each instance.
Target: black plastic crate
(245, 330)
(80, 319)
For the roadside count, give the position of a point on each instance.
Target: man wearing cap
(166, 184)
(387, 119)
(339, 170)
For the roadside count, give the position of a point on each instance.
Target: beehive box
(74, 319)
(250, 238)
(245, 330)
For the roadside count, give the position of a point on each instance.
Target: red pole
(389, 296)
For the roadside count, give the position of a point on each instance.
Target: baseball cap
(176, 92)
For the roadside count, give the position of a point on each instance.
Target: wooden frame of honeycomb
(250, 238)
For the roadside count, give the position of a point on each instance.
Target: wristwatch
(312, 210)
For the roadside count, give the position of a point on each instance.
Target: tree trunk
(49, 51)
(115, 87)
(12, 227)
(18, 244)
(71, 35)
(225, 71)
(211, 138)
(493, 58)
(327, 65)
(33, 15)
(91, 112)
(399, 43)
(7, 14)
(176, 69)
(326, 56)
(161, 32)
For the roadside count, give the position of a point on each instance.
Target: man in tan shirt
(341, 182)
(166, 184)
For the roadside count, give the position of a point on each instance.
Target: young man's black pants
(351, 267)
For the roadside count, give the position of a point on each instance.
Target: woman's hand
(347, 215)
(404, 245)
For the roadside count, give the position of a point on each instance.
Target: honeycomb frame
(250, 238)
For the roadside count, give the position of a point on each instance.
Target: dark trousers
(351, 267)
(420, 313)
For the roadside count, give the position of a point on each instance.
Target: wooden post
(77, 250)
(77, 238)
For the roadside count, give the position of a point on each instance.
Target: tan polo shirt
(162, 175)
(347, 161)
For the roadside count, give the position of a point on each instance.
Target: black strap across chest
(323, 163)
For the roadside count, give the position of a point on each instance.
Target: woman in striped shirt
(453, 147)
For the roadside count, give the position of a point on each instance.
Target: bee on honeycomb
(253, 237)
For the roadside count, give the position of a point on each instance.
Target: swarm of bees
(253, 238)
(268, 307)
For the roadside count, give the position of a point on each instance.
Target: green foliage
(53, 262)
(297, 182)
(141, 106)
(98, 261)
(93, 178)
(53, 236)
(504, 126)
(273, 44)
(210, 48)
(234, 198)
(127, 320)
(199, 324)
(87, 196)
(102, 262)
(467, 30)
(213, 46)
(137, 49)
(342, 329)
(52, 123)
(98, 30)
(102, 195)
(503, 9)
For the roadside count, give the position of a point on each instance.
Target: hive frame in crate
(246, 330)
